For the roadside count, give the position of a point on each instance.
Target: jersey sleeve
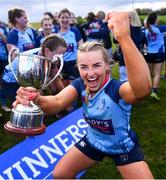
(77, 33)
(12, 37)
(113, 90)
(78, 84)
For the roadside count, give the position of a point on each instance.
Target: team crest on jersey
(101, 104)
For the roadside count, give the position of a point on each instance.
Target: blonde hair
(134, 18)
(94, 46)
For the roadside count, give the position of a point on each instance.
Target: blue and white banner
(35, 157)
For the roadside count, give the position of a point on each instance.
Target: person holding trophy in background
(32, 69)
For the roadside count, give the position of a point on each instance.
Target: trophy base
(24, 131)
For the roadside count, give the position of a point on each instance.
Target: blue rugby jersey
(155, 40)
(3, 49)
(71, 37)
(22, 40)
(109, 129)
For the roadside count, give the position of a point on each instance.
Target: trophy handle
(55, 58)
(10, 61)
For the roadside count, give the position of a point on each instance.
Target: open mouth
(93, 82)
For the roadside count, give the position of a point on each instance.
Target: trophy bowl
(32, 71)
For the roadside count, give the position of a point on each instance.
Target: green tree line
(143, 13)
(146, 11)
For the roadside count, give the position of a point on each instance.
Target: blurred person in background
(73, 23)
(163, 30)
(155, 51)
(73, 39)
(56, 18)
(3, 63)
(48, 16)
(19, 36)
(96, 29)
(46, 26)
(51, 46)
(3, 50)
(104, 33)
(5, 26)
(92, 25)
(137, 36)
(52, 17)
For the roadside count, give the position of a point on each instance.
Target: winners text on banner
(35, 157)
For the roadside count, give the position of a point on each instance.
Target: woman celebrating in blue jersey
(109, 132)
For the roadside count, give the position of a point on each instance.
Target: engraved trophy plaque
(32, 71)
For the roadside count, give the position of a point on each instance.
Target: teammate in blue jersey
(73, 39)
(3, 63)
(21, 36)
(51, 46)
(155, 51)
(47, 27)
(109, 132)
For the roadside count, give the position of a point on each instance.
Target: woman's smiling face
(92, 68)
(64, 20)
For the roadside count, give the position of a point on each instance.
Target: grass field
(148, 120)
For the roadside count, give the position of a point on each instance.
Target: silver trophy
(32, 71)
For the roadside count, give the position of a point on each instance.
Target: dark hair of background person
(100, 15)
(65, 10)
(13, 14)
(152, 17)
(54, 21)
(91, 17)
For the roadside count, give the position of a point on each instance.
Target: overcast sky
(35, 8)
